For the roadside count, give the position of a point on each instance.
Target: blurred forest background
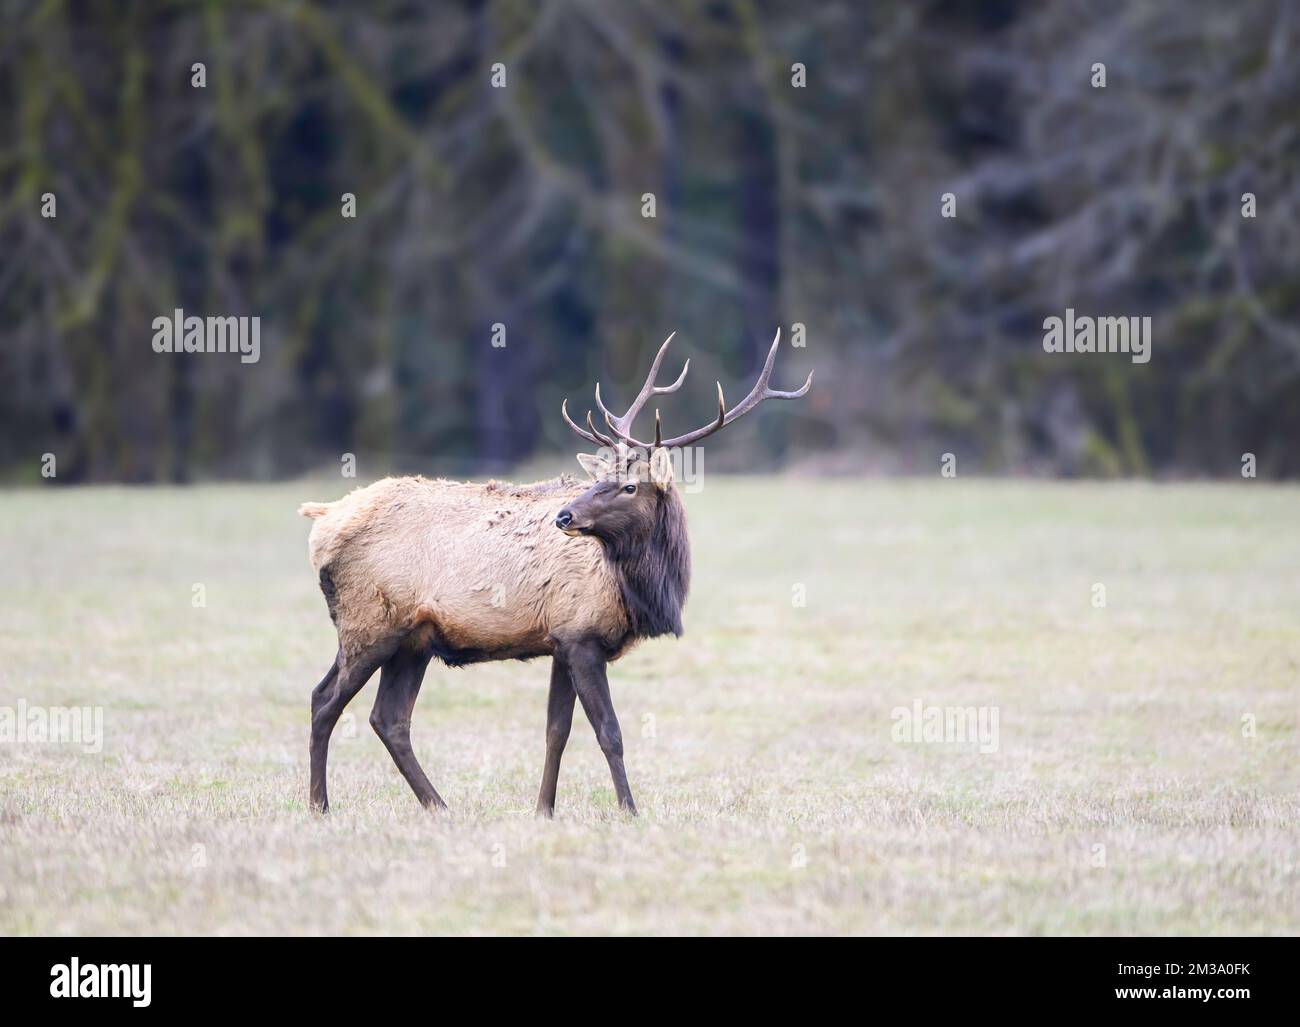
(522, 205)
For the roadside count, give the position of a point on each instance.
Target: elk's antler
(621, 427)
(589, 433)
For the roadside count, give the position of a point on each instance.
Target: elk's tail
(314, 510)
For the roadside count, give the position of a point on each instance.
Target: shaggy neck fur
(654, 573)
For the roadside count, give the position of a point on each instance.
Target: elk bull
(414, 569)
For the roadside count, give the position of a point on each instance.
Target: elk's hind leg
(559, 719)
(328, 699)
(399, 687)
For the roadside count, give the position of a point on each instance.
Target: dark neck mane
(654, 573)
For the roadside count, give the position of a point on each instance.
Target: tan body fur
(472, 571)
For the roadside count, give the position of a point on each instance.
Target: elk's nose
(563, 519)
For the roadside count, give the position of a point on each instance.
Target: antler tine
(592, 436)
(604, 440)
(622, 425)
(650, 388)
(760, 391)
(793, 393)
(600, 405)
(663, 390)
(757, 394)
(564, 412)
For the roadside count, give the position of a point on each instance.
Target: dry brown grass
(773, 798)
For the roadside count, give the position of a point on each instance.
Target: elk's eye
(629, 489)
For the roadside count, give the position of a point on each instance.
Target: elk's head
(623, 501)
(633, 506)
(629, 489)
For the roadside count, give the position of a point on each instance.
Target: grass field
(1127, 793)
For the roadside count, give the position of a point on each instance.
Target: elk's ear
(661, 468)
(597, 466)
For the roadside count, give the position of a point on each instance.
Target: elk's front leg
(586, 664)
(559, 719)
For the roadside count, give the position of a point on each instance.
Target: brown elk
(414, 569)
